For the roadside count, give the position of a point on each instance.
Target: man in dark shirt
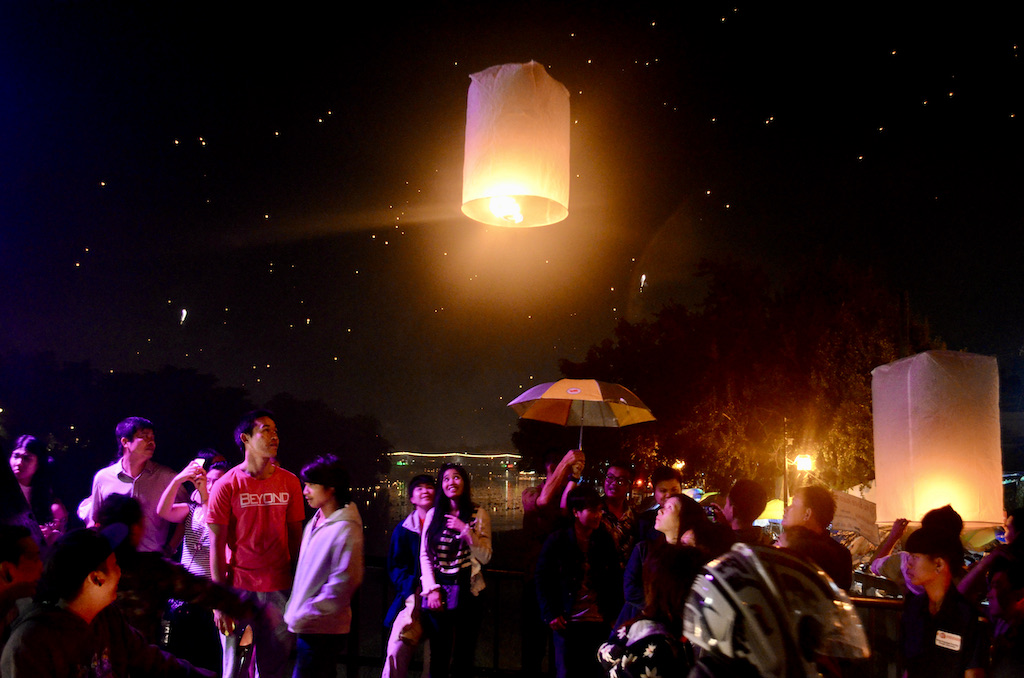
(81, 632)
(744, 503)
(942, 634)
(814, 507)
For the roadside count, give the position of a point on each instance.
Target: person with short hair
(149, 581)
(328, 572)
(666, 482)
(135, 474)
(618, 518)
(77, 631)
(579, 586)
(404, 615)
(942, 635)
(746, 501)
(814, 507)
(543, 513)
(256, 514)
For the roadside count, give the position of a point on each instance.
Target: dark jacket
(403, 565)
(52, 642)
(560, 574)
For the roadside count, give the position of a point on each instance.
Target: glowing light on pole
(803, 462)
(516, 170)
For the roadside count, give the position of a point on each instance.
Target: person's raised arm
(556, 482)
(167, 508)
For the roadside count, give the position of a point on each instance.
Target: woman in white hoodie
(329, 570)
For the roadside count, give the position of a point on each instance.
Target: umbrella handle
(580, 447)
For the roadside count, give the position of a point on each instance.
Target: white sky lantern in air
(936, 425)
(516, 170)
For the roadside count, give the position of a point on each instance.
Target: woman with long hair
(31, 464)
(652, 643)
(456, 544)
(679, 522)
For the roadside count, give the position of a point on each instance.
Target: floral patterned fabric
(645, 649)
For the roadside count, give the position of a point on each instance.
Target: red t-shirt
(256, 514)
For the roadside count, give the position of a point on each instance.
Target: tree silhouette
(757, 368)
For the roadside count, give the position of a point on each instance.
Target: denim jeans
(272, 641)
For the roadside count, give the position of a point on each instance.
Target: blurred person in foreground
(760, 612)
(77, 630)
(20, 569)
(149, 581)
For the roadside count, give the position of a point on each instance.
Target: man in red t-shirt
(255, 518)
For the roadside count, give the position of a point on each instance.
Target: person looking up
(814, 507)
(456, 544)
(255, 515)
(194, 635)
(666, 482)
(746, 501)
(403, 617)
(135, 474)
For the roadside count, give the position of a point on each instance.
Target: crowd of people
(259, 590)
(612, 588)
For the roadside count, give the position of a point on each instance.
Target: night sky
(272, 195)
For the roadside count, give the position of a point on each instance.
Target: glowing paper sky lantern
(516, 170)
(936, 421)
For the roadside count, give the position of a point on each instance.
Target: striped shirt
(451, 555)
(195, 553)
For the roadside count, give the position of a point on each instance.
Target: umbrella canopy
(582, 402)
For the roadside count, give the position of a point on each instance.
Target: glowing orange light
(516, 170)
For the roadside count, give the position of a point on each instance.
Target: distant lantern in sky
(516, 170)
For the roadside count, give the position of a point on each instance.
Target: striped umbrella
(582, 402)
